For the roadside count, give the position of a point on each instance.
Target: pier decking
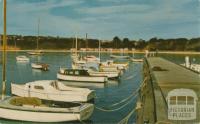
(169, 94)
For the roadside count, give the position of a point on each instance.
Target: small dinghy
(36, 110)
(119, 57)
(37, 52)
(109, 74)
(52, 90)
(136, 60)
(41, 66)
(91, 59)
(22, 59)
(79, 76)
(118, 65)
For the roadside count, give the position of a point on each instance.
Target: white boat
(52, 90)
(22, 58)
(137, 60)
(36, 110)
(119, 57)
(110, 74)
(36, 52)
(91, 58)
(118, 65)
(79, 76)
(108, 68)
(41, 66)
(52, 112)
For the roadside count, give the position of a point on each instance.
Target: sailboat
(37, 51)
(34, 109)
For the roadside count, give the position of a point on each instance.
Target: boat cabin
(76, 72)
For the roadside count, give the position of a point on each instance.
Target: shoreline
(139, 52)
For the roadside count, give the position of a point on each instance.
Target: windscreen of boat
(54, 84)
(83, 72)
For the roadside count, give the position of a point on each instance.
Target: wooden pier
(170, 94)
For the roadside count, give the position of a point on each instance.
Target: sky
(104, 19)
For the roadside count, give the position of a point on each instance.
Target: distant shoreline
(63, 51)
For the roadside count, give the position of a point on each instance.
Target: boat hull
(39, 66)
(35, 116)
(12, 110)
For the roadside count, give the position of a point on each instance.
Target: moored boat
(41, 66)
(110, 74)
(79, 76)
(52, 90)
(136, 60)
(35, 110)
(22, 58)
(119, 57)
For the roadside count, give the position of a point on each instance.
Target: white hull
(81, 78)
(137, 60)
(39, 66)
(35, 53)
(34, 114)
(119, 57)
(111, 64)
(36, 66)
(107, 74)
(22, 59)
(60, 93)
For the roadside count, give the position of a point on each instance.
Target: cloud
(105, 18)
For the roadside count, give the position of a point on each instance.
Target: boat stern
(91, 96)
(86, 111)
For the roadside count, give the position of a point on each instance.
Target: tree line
(48, 42)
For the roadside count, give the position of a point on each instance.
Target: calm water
(107, 94)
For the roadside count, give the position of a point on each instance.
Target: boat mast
(100, 50)
(4, 52)
(38, 33)
(76, 44)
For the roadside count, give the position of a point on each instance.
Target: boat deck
(42, 108)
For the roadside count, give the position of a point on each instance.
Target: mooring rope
(116, 109)
(126, 118)
(127, 100)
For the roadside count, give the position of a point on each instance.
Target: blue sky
(105, 19)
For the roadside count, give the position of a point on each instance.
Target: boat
(34, 109)
(39, 52)
(22, 58)
(136, 60)
(41, 66)
(91, 58)
(14, 108)
(109, 74)
(119, 57)
(118, 65)
(52, 90)
(78, 75)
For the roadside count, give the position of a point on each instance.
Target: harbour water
(106, 94)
